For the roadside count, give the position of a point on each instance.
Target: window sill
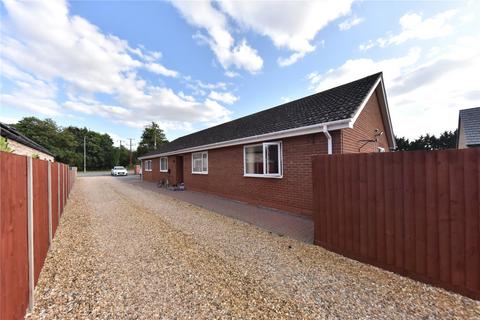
(148, 170)
(204, 173)
(263, 176)
(164, 171)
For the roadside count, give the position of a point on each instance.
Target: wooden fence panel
(55, 215)
(13, 237)
(414, 213)
(14, 245)
(40, 214)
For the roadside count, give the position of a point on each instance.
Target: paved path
(279, 222)
(124, 252)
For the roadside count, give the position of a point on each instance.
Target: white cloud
(413, 26)
(294, 57)
(202, 14)
(350, 23)
(289, 24)
(225, 97)
(231, 74)
(68, 52)
(159, 69)
(30, 93)
(9, 120)
(425, 90)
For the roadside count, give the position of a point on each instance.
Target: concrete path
(124, 252)
(279, 222)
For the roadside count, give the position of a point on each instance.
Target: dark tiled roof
(12, 134)
(338, 103)
(471, 124)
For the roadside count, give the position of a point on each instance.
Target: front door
(179, 164)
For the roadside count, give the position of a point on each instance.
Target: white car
(119, 171)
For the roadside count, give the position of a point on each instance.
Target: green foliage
(4, 145)
(67, 144)
(152, 136)
(49, 135)
(447, 140)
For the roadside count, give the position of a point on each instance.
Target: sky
(115, 66)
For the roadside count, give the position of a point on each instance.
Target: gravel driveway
(123, 252)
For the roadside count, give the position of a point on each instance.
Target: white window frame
(201, 155)
(160, 163)
(264, 175)
(147, 166)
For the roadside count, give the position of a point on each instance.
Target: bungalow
(468, 133)
(265, 158)
(22, 145)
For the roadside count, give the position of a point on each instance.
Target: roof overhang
(379, 88)
(333, 125)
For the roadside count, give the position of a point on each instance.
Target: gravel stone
(123, 252)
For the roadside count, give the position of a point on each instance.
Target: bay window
(200, 162)
(263, 160)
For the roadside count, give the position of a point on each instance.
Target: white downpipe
(329, 139)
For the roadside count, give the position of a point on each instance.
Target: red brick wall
(363, 129)
(156, 175)
(292, 193)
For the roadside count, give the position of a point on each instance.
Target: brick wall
(293, 192)
(156, 175)
(225, 177)
(364, 128)
(24, 150)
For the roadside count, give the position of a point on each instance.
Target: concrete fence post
(64, 187)
(58, 192)
(49, 179)
(30, 232)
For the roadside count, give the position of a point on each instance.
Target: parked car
(119, 171)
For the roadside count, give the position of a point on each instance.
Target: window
(263, 160)
(200, 162)
(164, 164)
(148, 165)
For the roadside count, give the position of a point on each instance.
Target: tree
(152, 137)
(446, 140)
(50, 136)
(100, 149)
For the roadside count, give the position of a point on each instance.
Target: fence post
(30, 232)
(64, 186)
(49, 203)
(58, 192)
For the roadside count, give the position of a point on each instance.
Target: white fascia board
(364, 102)
(383, 104)
(332, 125)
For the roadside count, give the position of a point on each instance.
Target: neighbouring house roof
(333, 109)
(470, 118)
(10, 133)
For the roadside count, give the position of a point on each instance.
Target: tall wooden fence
(33, 194)
(414, 213)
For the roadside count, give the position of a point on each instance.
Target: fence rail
(414, 213)
(33, 194)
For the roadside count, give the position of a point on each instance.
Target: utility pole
(84, 154)
(130, 151)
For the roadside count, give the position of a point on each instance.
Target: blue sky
(114, 66)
